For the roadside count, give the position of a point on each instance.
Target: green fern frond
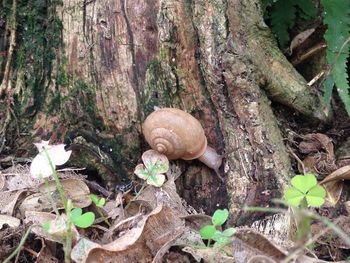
(337, 19)
(283, 13)
(307, 8)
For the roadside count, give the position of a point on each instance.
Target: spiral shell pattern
(175, 133)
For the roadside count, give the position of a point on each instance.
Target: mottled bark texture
(114, 60)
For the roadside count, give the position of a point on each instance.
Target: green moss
(162, 86)
(38, 37)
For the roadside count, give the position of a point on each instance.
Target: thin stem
(104, 218)
(69, 236)
(20, 245)
(138, 193)
(57, 180)
(53, 204)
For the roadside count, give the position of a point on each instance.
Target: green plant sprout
(99, 202)
(43, 165)
(304, 192)
(152, 170)
(210, 232)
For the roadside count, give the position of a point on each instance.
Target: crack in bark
(138, 92)
(202, 81)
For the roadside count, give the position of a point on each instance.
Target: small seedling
(304, 192)
(82, 220)
(305, 188)
(99, 202)
(210, 232)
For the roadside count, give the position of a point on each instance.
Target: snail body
(178, 135)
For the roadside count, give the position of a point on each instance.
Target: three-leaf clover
(305, 186)
(209, 232)
(155, 164)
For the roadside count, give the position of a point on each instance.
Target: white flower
(40, 166)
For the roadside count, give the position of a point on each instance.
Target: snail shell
(175, 134)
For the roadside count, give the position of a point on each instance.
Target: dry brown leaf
(300, 38)
(261, 259)
(197, 221)
(248, 243)
(139, 238)
(309, 165)
(208, 255)
(321, 158)
(165, 195)
(9, 200)
(189, 237)
(315, 142)
(9, 220)
(74, 189)
(342, 173)
(39, 219)
(334, 190)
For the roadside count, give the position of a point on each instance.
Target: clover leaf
(155, 164)
(305, 187)
(82, 220)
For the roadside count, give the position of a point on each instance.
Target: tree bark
(114, 60)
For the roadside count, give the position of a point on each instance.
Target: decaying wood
(212, 58)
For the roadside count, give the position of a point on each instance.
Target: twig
(316, 78)
(309, 53)
(296, 157)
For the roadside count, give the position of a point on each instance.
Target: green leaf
(85, 220)
(219, 217)
(283, 14)
(229, 232)
(316, 196)
(337, 19)
(156, 180)
(155, 161)
(304, 183)
(327, 91)
(94, 198)
(141, 172)
(75, 213)
(207, 231)
(308, 9)
(221, 239)
(101, 202)
(293, 196)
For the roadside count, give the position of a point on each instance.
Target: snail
(179, 135)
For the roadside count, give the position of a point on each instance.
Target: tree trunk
(88, 72)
